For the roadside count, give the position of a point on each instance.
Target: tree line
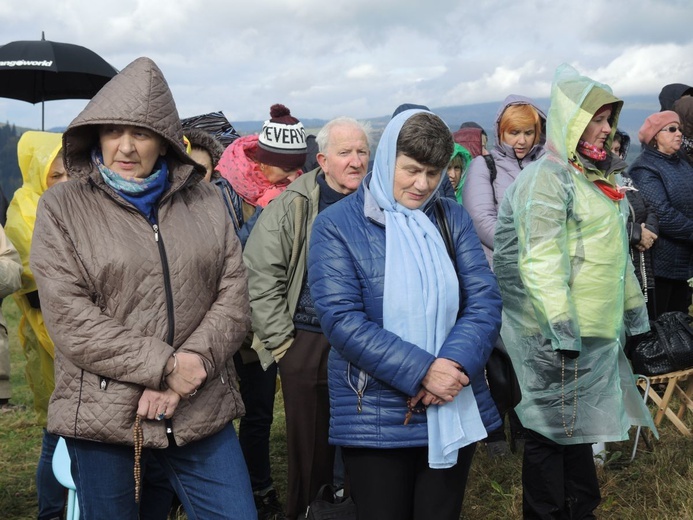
(10, 175)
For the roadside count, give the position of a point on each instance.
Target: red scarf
(611, 192)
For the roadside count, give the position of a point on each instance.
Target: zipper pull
(358, 402)
(156, 232)
(104, 383)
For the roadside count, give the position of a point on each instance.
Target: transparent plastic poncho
(562, 262)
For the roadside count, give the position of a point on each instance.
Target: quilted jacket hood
(140, 96)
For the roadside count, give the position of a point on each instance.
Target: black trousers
(558, 482)
(303, 373)
(257, 390)
(397, 484)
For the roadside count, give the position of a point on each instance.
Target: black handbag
(502, 379)
(500, 374)
(328, 506)
(668, 346)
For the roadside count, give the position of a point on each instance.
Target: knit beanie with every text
(282, 141)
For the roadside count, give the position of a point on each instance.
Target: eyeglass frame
(669, 129)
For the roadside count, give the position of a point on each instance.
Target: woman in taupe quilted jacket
(145, 296)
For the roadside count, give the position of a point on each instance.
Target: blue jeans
(209, 476)
(51, 495)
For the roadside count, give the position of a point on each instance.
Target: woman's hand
(444, 379)
(157, 404)
(647, 239)
(188, 375)
(426, 398)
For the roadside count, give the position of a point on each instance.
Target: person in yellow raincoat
(569, 298)
(41, 164)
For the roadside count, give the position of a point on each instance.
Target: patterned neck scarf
(591, 151)
(145, 193)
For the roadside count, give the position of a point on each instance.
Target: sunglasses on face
(673, 129)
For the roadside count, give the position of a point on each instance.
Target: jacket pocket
(358, 382)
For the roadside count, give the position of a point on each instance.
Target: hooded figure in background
(570, 296)
(457, 169)
(36, 152)
(672, 93)
(684, 108)
(41, 164)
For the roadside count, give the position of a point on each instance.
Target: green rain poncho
(561, 258)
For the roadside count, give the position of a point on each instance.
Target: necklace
(575, 396)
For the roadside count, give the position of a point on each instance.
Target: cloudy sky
(325, 58)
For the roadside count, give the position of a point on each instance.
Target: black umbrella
(42, 70)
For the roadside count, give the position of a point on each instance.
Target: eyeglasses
(673, 129)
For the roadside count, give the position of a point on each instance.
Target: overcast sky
(361, 58)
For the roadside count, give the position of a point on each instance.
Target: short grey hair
(323, 137)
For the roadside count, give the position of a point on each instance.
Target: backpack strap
(439, 212)
(491, 165)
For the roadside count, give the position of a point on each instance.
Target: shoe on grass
(497, 449)
(268, 506)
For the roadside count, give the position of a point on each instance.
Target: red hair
(517, 117)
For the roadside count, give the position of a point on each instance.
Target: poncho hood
(35, 154)
(574, 101)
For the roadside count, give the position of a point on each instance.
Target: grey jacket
(478, 193)
(119, 296)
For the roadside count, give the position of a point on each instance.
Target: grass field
(657, 485)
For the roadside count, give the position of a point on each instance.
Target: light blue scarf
(421, 297)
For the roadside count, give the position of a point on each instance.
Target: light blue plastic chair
(61, 469)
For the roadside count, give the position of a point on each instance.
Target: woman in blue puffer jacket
(412, 318)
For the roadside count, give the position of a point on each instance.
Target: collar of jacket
(508, 151)
(651, 150)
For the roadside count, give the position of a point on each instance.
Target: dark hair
(427, 139)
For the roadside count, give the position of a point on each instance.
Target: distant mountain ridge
(635, 110)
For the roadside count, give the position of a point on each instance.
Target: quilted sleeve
(672, 222)
(226, 323)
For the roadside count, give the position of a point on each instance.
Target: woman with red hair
(519, 142)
